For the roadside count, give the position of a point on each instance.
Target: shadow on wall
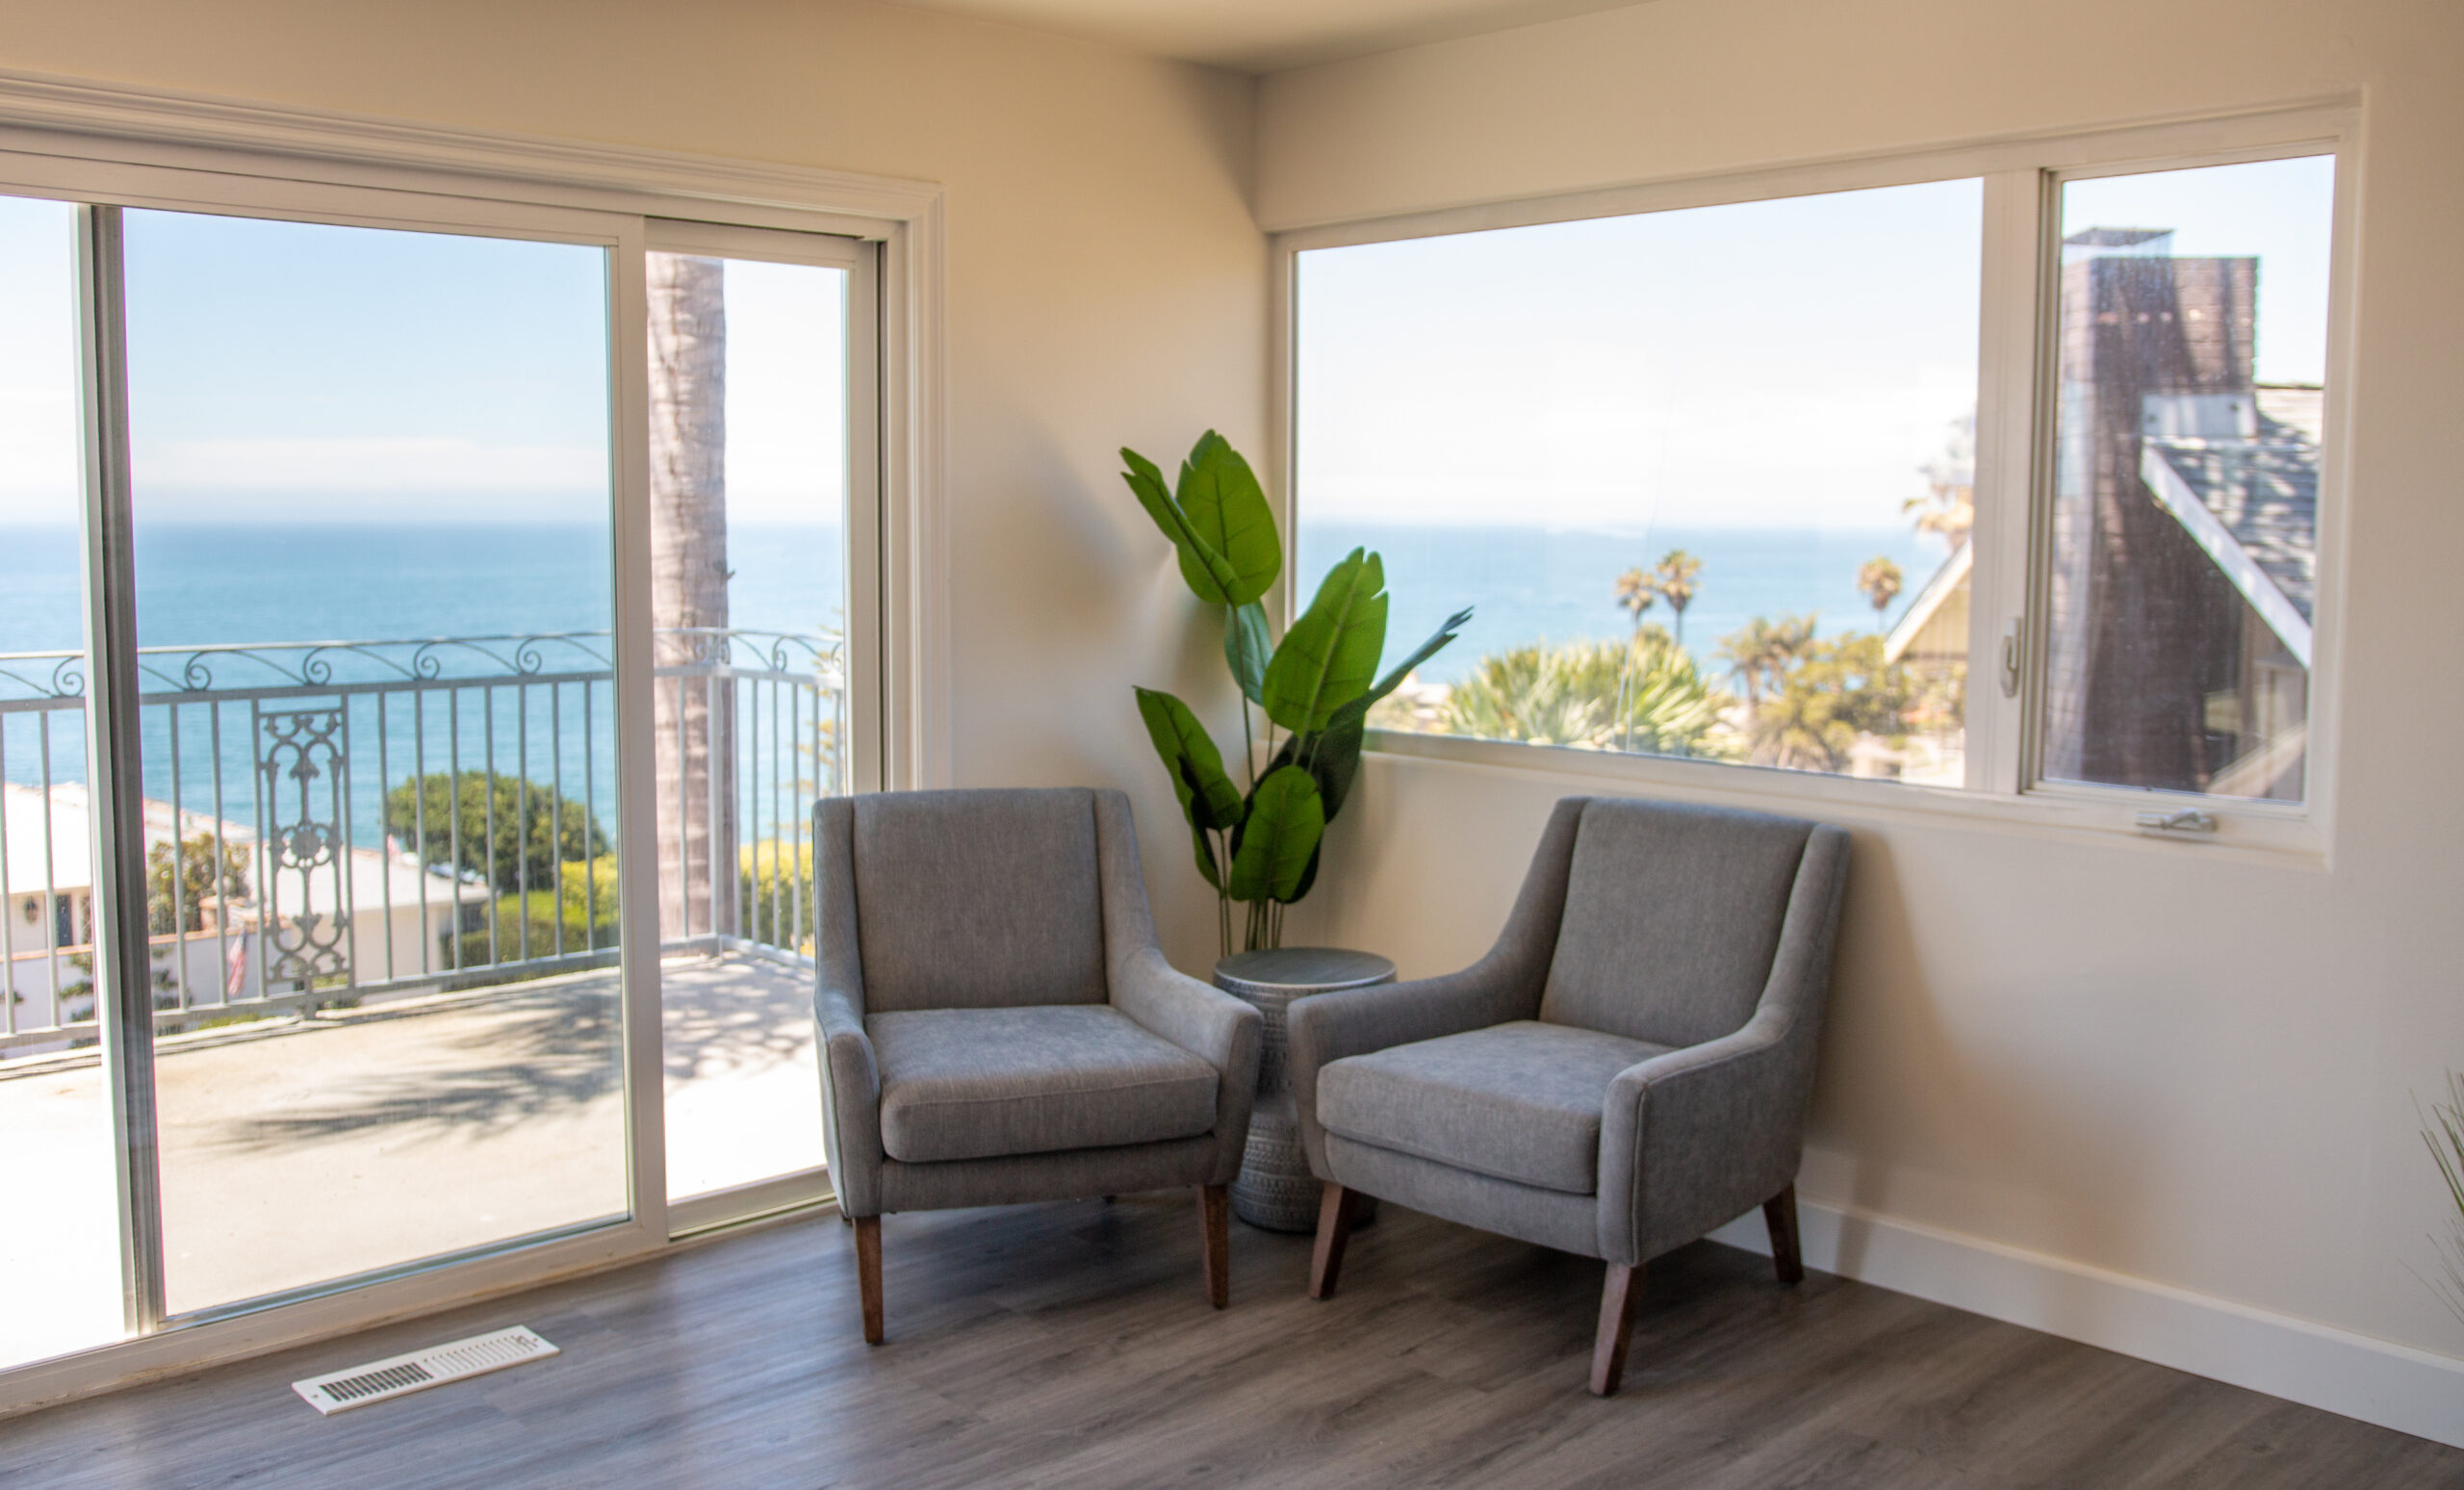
(1071, 598)
(1944, 1056)
(1914, 1084)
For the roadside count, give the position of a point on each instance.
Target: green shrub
(585, 911)
(533, 829)
(1645, 694)
(776, 881)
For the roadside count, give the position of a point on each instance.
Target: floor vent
(434, 1366)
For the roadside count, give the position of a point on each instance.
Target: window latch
(2186, 820)
(2012, 646)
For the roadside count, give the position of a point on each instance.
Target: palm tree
(1760, 653)
(1879, 579)
(1675, 579)
(1634, 592)
(1560, 696)
(695, 741)
(1747, 651)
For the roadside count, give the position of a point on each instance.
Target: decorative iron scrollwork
(305, 772)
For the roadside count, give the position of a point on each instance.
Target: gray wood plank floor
(1069, 1345)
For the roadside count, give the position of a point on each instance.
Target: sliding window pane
(59, 1251)
(1705, 474)
(749, 462)
(2190, 412)
(373, 603)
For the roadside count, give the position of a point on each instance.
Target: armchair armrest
(1208, 1023)
(1690, 1140)
(1324, 1028)
(851, 1088)
(1200, 1017)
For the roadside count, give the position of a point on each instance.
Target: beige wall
(2119, 1054)
(1106, 283)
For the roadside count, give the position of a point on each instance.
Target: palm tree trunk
(695, 715)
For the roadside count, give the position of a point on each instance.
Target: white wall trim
(2378, 1381)
(615, 178)
(2204, 134)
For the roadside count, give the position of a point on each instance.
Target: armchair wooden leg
(1214, 1212)
(1618, 1294)
(1780, 1214)
(1336, 1209)
(868, 1273)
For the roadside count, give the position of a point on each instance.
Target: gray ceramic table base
(1276, 1189)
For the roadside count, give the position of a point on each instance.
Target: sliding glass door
(362, 584)
(60, 1254)
(755, 340)
(374, 612)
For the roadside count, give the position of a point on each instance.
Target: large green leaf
(1330, 654)
(1205, 857)
(1208, 798)
(1332, 755)
(1221, 497)
(1210, 574)
(1279, 837)
(1247, 645)
(1447, 631)
(1145, 482)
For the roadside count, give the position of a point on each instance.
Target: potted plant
(2443, 1130)
(1258, 844)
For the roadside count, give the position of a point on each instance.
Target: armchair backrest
(979, 899)
(1672, 919)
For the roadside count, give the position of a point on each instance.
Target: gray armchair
(998, 1025)
(1626, 1069)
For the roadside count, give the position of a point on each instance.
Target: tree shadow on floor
(545, 1053)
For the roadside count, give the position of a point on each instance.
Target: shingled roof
(2253, 503)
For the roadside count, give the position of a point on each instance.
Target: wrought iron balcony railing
(333, 822)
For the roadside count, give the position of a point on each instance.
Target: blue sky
(1786, 363)
(282, 370)
(1779, 364)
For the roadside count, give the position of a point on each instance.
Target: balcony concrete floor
(332, 1147)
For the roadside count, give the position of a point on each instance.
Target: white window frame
(2015, 388)
(83, 143)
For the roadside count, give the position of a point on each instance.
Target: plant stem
(1216, 851)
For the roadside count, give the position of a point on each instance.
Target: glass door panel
(749, 483)
(60, 1253)
(375, 610)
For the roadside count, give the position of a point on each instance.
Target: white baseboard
(2376, 1380)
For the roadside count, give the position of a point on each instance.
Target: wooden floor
(1069, 1345)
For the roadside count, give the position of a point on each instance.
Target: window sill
(2246, 833)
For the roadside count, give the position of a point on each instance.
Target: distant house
(47, 927)
(2188, 510)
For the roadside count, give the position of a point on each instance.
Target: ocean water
(1531, 584)
(288, 582)
(240, 582)
(202, 583)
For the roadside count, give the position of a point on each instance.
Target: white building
(400, 915)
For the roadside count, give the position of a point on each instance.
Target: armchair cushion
(1519, 1101)
(1673, 915)
(988, 1083)
(977, 899)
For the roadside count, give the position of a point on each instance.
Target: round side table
(1276, 1189)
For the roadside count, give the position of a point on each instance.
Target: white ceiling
(1263, 35)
